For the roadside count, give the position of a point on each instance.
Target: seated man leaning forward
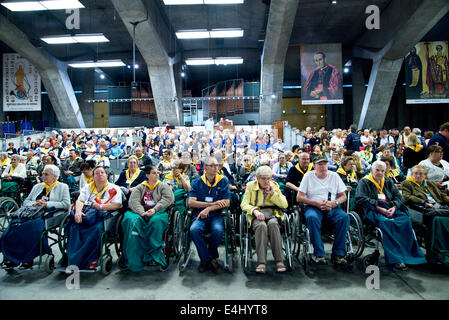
(208, 196)
(322, 191)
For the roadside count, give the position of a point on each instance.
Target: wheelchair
(109, 237)
(303, 248)
(229, 242)
(172, 237)
(373, 232)
(247, 240)
(53, 228)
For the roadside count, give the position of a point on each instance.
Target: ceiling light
(230, 60)
(24, 6)
(102, 76)
(43, 5)
(78, 38)
(62, 4)
(346, 70)
(192, 34)
(136, 66)
(59, 39)
(183, 74)
(182, 2)
(199, 61)
(226, 33)
(334, 1)
(90, 38)
(223, 1)
(100, 63)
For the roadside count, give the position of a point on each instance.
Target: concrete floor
(419, 283)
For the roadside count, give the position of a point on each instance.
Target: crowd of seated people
(162, 164)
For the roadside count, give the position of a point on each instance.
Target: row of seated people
(321, 190)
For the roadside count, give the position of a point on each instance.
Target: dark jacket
(353, 142)
(366, 194)
(439, 140)
(412, 158)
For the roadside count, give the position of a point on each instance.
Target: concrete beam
(150, 40)
(358, 89)
(53, 75)
(422, 16)
(279, 28)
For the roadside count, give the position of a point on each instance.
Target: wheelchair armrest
(110, 214)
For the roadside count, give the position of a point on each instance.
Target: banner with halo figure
(427, 73)
(21, 84)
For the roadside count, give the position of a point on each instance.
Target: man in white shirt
(385, 141)
(337, 140)
(322, 191)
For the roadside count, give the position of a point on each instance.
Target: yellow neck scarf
(343, 172)
(146, 184)
(72, 162)
(416, 148)
(134, 177)
(216, 181)
(89, 180)
(379, 188)
(140, 157)
(171, 177)
(93, 189)
(250, 167)
(392, 173)
(48, 188)
(11, 169)
(415, 182)
(4, 162)
(300, 170)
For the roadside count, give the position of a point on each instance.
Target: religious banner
(427, 73)
(321, 76)
(21, 84)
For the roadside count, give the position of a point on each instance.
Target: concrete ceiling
(317, 21)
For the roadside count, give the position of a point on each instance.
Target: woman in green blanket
(146, 222)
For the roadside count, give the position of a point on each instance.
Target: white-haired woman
(20, 244)
(262, 202)
(14, 174)
(383, 207)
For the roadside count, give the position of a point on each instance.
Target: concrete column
(87, 109)
(279, 27)
(384, 75)
(152, 37)
(53, 74)
(2, 114)
(358, 89)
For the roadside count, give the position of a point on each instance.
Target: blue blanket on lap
(83, 244)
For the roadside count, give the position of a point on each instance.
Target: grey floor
(420, 283)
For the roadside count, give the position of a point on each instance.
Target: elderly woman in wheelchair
(383, 207)
(429, 207)
(263, 202)
(85, 231)
(146, 222)
(12, 177)
(20, 242)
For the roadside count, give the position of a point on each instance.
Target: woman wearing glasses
(263, 201)
(148, 219)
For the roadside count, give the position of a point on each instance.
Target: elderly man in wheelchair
(20, 243)
(428, 207)
(322, 191)
(262, 202)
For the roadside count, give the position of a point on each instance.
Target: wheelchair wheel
(296, 242)
(178, 227)
(7, 206)
(245, 244)
(118, 243)
(50, 263)
(371, 259)
(356, 234)
(106, 266)
(287, 239)
(62, 237)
